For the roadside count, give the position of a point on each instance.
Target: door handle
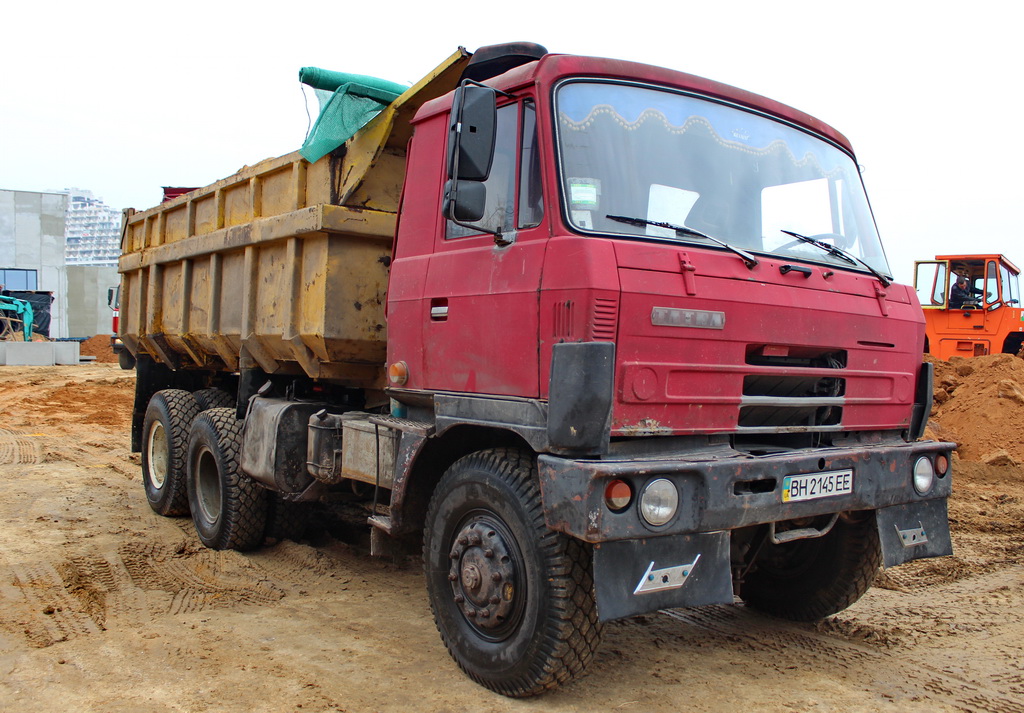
(439, 309)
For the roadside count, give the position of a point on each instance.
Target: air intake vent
(605, 319)
(564, 318)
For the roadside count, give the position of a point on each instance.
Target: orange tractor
(981, 316)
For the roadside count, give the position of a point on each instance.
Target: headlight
(924, 475)
(659, 501)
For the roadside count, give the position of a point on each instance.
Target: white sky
(123, 98)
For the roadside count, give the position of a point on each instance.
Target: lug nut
(463, 540)
(453, 555)
(488, 553)
(471, 613)
(484, 614)
(495, 600)
(452, 577)
(496, 577)
(459, 599)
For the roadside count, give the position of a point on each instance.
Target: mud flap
(639, 576)
(914, 531)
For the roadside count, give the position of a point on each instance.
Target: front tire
(228, 509)
(807, 580)
(165, 430)
(513, 600)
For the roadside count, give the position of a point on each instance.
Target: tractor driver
(963, 294)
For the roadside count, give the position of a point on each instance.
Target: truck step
(380, 522)
(420, 428)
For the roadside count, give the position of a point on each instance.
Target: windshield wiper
(681, 230)
(841, 254)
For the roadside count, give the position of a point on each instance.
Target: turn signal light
(941, 464)
(398, 373)
(618, 495)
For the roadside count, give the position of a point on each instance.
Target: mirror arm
(499, 239)
(484, 86)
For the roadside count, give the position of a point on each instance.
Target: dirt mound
(99, 347)
(979, 404)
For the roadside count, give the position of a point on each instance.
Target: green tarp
(354, 99)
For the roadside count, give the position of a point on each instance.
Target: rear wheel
(165, 430)
(806, 580)
(228, 509)
(513, 601)
(213, 398)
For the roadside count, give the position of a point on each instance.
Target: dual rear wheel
(190, 464)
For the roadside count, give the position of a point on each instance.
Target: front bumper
(688, 561)
(725, 490)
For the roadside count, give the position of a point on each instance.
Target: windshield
(735, 175)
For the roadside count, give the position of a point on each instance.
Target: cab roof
(553, 67)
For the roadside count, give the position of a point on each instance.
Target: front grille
(793, 390)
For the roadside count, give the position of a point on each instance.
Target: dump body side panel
(281, 266)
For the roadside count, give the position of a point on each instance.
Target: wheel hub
(483, 576)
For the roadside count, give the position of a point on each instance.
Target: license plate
(816, 485)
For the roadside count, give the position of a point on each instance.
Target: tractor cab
(971, 305)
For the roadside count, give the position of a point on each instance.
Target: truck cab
(984, 319)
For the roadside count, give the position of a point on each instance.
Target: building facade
(32, 249)
(93, 230)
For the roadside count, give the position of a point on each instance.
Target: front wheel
(806, 580)
(228, 509)
(513, 601)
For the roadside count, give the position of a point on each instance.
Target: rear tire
(513, 601)
(165, 431)
(213, 398)
(228, 509)
(807, 580)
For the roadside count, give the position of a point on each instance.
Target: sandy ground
(105, 606)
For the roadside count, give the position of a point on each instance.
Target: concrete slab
(66, 352)
(28, 353)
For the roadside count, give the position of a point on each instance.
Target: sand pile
(99, 347)
(979, 404)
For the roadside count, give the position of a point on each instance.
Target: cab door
(481, 295)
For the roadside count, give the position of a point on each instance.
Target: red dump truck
(599, 338)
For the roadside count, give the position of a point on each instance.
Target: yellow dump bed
(283, 265)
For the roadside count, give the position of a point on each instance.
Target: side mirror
(110, 297)
(472, 132)
(472, 199)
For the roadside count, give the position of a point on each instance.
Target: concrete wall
(32, 238)
(88, 313)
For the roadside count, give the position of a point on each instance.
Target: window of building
(18, 280)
